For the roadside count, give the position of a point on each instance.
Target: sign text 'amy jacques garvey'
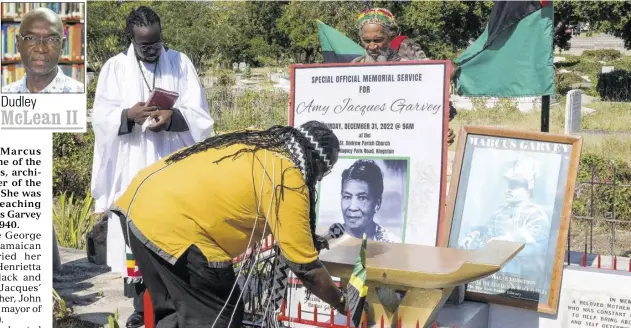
(21, 111)
(349, 104)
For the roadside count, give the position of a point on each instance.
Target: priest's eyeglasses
(49, 41)
(144, 47)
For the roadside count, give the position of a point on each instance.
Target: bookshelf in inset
(72, 60)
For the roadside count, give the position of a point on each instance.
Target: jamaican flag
(337, 47)
(514, 55)
(356, 290)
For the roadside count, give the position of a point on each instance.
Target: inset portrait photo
(43, 47)
(367, 196)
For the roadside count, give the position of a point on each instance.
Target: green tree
(106, 30)
(612, 17)
(266, 43)
(189, 34)
(271, 32)
(298, 22)
(444, 28)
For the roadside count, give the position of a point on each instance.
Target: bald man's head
(44, 14)
(41, 41)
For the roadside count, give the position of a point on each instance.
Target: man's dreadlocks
(317, 142)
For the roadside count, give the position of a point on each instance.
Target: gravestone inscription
(597, 309)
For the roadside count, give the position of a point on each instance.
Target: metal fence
(601, 217)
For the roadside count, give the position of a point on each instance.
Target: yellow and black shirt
(215, 205)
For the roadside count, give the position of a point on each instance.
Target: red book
(162, 98)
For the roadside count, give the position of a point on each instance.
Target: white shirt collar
(60, 84)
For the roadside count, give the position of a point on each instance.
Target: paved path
(92, 291)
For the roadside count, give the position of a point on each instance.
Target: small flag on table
(356, 290)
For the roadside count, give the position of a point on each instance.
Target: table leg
(421, 305)
(378, 310)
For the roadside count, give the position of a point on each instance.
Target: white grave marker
(573, 112)
(596, 309)
(589, 298)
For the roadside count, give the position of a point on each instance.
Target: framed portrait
(516, 186)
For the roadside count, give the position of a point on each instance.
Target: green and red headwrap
(379, 16)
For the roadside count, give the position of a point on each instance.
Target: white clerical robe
(118, 158)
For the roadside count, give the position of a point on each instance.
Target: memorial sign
(391, 120)
(597, 309)
(515, 186)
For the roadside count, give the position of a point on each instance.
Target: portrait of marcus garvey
(519, 219)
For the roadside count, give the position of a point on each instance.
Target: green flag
(337, 47)
(356, 290)
(514, 55)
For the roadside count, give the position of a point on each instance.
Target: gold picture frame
(535, 199)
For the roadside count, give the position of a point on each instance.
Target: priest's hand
(163, 117)
(451, 136)
(139, 112)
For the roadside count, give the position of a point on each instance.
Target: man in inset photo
(518, 220)
(40, 42)
(362, 190)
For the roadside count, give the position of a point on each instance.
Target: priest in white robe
(130, 136)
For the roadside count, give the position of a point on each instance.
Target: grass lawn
(613, 117)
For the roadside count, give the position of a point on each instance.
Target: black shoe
(135, 320)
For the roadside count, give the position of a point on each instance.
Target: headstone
(600, 297)
(451, 155)
(607, 69)
(573, 112)
(242, 65)
(89, 77)
(597, 309)
(235, 66)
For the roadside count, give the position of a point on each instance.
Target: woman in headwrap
(189, 215)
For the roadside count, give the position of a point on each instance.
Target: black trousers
(189, 294)
(136, 291)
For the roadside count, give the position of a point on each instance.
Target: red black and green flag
(337, 47)
(514, 55)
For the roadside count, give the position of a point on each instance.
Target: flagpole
(545, 114)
